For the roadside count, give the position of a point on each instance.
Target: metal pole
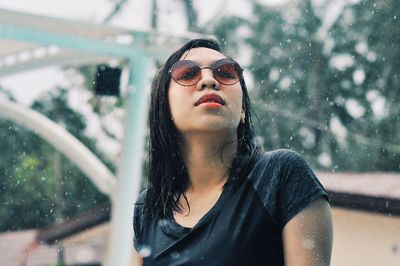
(130, 171)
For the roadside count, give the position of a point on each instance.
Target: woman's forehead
(202, 55)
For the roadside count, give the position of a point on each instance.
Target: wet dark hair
(168, 177)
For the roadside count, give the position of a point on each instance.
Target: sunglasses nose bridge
(207, 67)
(207, 79)
(210, 71)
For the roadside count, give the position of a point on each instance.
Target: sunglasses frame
(213, 69)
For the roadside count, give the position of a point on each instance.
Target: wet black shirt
(244, 227)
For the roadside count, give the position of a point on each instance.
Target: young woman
(214, 197)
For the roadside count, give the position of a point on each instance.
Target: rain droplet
(175, 255)
(163, 222)
(145, 251)
(308, 243)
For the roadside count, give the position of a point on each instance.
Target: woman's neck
(208, 159)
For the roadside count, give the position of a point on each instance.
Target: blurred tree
(191, 15)
(313, 90)
(369, 31)
(31, 195)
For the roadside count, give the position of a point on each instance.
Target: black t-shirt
(245, 225)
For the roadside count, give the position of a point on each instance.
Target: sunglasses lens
(226, 71)
(186, 73)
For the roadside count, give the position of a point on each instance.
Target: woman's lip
(211, 104)
(210, 98)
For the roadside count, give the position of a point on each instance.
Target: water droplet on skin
(308, 243)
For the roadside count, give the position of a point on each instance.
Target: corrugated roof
(379, 184)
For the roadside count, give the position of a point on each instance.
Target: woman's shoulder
(283, 155)
(138, 213)
(139, 203)
(140, 198)
(285, 184)
(275, 159)
(275, 167)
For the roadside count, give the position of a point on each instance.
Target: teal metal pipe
(97, 46)
(130, 170)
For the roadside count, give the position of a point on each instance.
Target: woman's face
(195, 108)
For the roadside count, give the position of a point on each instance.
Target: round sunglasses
(187, 73)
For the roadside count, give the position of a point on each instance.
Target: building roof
(74, 225)
(373, 192)
(377, 184)
(15, 245)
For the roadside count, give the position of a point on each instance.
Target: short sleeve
(298, 186)
(138, 221)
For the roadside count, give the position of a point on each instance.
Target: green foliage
(298, 93)
(32, 195)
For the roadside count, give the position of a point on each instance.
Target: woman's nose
(207, 80)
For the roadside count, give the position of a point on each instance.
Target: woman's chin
(210, 127)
